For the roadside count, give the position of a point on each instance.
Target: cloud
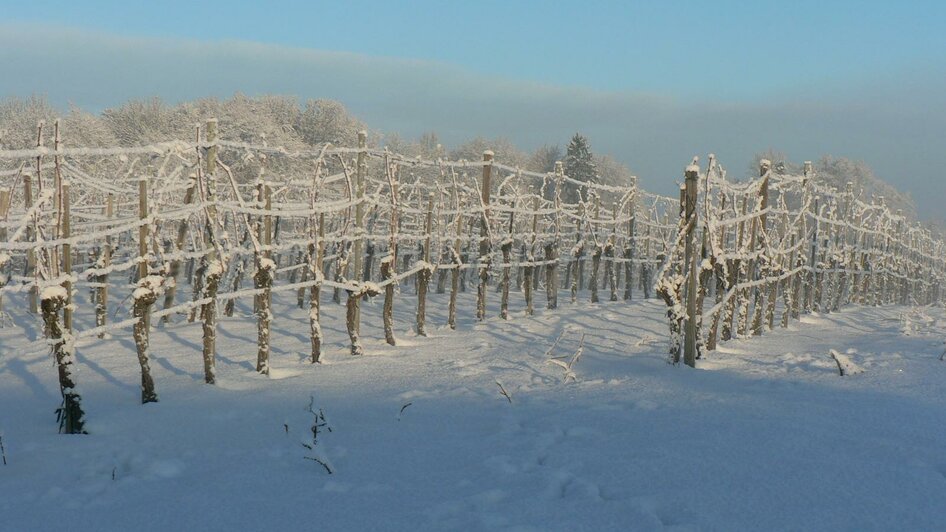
(897, 125)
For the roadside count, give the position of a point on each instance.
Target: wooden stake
(689, 344)
(424, 275)
(66, 232)
(485, 247)
(105, 260)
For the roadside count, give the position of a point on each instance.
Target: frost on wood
(387, 311)
(147, 292)
(354, 296)
(265, 271)
(423, 283)
(70, 414)
(845, 365)
(214, 272)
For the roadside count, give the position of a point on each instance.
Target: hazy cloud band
(897, 124)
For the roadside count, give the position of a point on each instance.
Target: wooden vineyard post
(5, 198)
(317, 257)
(143, 228)
(457, 262)
(730, 328)
(358, 246)
(843, 291)
(4, 210)
(353, 302)
(705, 278)
(595, 252)
(790, 291)
(70, 414)
(577, 253)
(689, 342)
(65, 233)
(105, 260)
(425, 274)
(30, 236)
(530, 268)
(611, 273)
(265, 271)
(389, 263)
(485, 248)
(810, 275)
(147, 292)
(760, 229)
(175, 268)
(629, 246)
(506, 248)
(551, 248)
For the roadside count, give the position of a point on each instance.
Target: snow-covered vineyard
(169, 231)
(234, 259)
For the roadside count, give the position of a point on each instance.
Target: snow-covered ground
(763, 435)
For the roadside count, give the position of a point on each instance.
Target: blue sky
(650, 82)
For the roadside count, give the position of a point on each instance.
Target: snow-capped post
(209, 313)
(212, 268)
(424, 275)
(485, 248)
(761, 230)
(577, 253)
(790, 290)
(147, 292)
(70, 414)
(104, 261)
(810, 274)
(817, 251)
(143, 228)
(551, 248)
(629, 243)
(175, 268)
(389, 263)
(4, 210)
(596, 251)
(210, 139)
(317, 257)
(456, 260)
(4, 259)
(263, 279)
(611, 272)
(369, 289)
(529, 269)
(54, 252)
(903, 300)
(66, 232)
(361, 175)
(506, 248)
(689, 343)
(30, 236)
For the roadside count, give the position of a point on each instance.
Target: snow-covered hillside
(763, 435)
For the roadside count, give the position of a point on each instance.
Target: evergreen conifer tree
(579, 165)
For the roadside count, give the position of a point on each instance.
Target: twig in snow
(318, 423)
(548, 353)
(569, 373)
(323, 464)
(845, 365)
(838, 362)
(503, 391)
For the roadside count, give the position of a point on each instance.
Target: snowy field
(763, 435)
